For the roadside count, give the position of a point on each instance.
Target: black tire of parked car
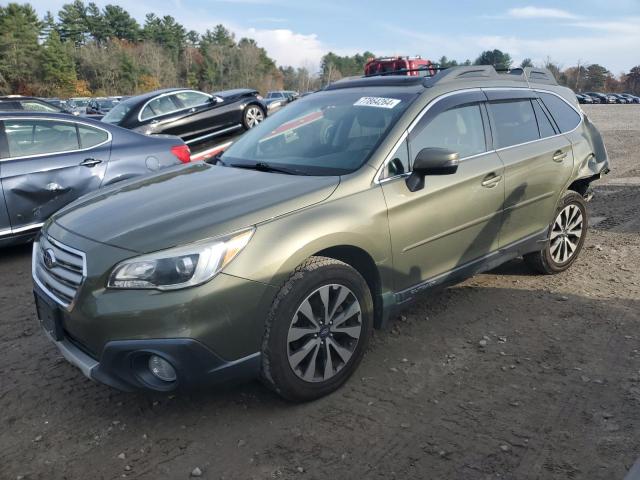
(253, 115)
(543, 261)
(313, 274)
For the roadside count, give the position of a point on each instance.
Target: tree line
(84, 50)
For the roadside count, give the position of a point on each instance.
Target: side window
(544, 124)
(37, 137)
(399, 163)
(192, 99)
(459, 129)
(32, 106)
(513, 122)
(90, 136)
(565, 116)
(159, 106)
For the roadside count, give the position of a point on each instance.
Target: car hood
(189, 203)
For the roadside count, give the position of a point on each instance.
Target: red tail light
(182, 152)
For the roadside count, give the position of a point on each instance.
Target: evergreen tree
(58, 67)
(74, 24)
(496, 57)
(19, 48)
(119, 24)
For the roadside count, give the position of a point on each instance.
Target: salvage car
(315, 227)
(49, 160)
(192, 115)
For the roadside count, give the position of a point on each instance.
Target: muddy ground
(554, 394)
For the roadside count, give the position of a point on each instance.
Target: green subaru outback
(277, 260)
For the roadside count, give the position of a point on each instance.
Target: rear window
(513, 123)
(565, 116)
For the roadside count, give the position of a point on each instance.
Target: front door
(455, 218)
(48, 163)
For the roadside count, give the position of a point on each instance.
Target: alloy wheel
(254, 116)
(324, 333)
(565, 234)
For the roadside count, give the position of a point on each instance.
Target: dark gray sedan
(48, 160)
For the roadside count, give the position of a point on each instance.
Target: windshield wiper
(265, 167)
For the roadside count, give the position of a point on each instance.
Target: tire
(294, 350)
(565, 239)
(253, 115)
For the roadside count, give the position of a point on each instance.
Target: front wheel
(317, 330)
(252, 116)
(567, 234)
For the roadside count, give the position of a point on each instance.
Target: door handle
(90, 162)
(153, 122)
(559, 156)
(491, 180)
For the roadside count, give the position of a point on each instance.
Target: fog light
(162, 369)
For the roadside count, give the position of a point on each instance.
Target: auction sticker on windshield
(378, 102)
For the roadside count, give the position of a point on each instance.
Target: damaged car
(277, 260)
(47, 160)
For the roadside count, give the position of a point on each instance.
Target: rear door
(538, 162)
(49, 163)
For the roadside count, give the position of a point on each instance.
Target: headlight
(179, 267)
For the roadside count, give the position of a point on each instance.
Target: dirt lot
(554, 394)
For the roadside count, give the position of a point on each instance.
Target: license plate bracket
(50, 317)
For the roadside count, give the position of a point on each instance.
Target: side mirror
(431, 161)
(216, 99)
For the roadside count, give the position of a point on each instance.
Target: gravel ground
(508, 375)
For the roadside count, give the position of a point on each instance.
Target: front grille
(62, 277)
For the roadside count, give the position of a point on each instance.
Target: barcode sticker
(378, 102)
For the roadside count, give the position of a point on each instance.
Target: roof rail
(540, 75)
(479, 72)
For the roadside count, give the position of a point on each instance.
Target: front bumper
(123, 364)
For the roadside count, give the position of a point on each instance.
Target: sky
(300, 32)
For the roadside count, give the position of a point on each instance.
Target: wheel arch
(360, 260)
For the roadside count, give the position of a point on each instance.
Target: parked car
(49, 159)
(620, 98)
(314, 227)
(586, 99)
(411, 66)
(595, 99)
(79, 104)
(602, 97)
(30, 104)
(99, 107)
(192, 115)
(631, 98)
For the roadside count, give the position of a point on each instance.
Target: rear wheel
(317, 330)
(253, 115)
(567, 234)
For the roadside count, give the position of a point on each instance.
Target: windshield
(117, 113)
(329, 133)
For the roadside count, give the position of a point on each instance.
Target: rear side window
(544, 124)
(38, 137)
(566, 117)
(459, 129)
(33, 106)
(192, 99)
(90, 137)
(513, 122)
